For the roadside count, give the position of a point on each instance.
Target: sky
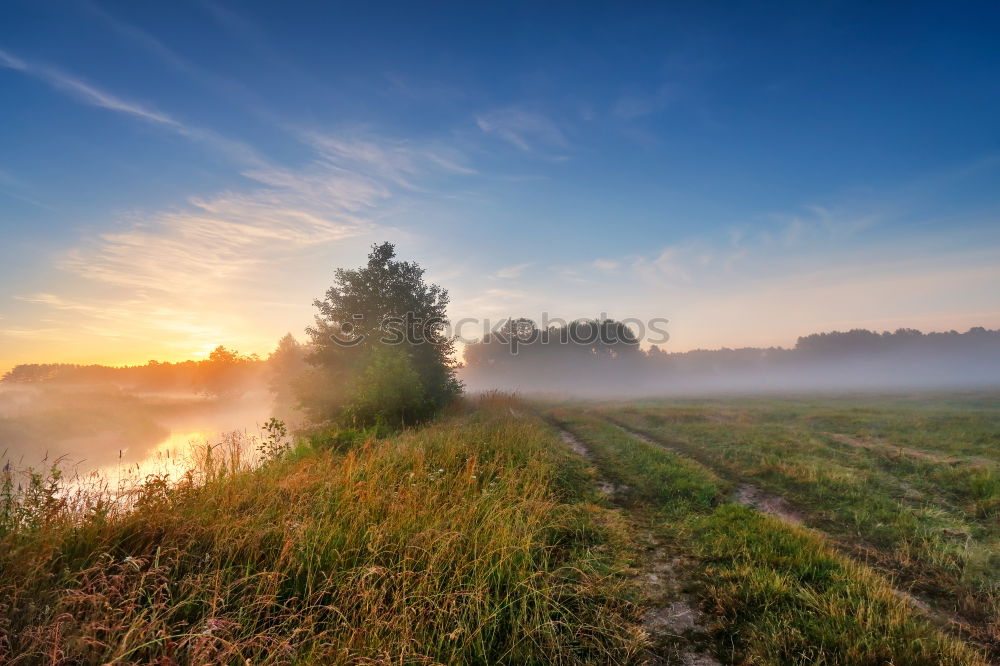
(175, 176)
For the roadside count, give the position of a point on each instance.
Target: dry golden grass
(462, 542)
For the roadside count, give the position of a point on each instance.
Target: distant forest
(618, 343)
(545, 361)
(838, 360)
(224, 372)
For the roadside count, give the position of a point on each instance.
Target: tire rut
(778, 507)
(746, 494)
(672, 620)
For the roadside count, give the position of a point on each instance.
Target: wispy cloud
(92, 95)
(197, 273)
(493, 303)
(740, 250)
(85, 92)
(429, 92)
(164, 274)
(256, 40)
(526, 130)
(8, 180)
(16, 189)
(10, 62)
(606, 265)
(213, 240)
(144, 39)
(636, 104)
(572, 274)
(212, 82)
(396, 161)
(119, 320)
(511, 272)
(671, 266)
(795, 276)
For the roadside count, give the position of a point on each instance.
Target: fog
(835, 362)
(114, 431)
(134, 420)
(142, 419)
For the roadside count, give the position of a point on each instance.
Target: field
(743, 531)
(830, 530)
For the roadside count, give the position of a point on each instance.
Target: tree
(227, 373)
(285, 366)
(385, 303)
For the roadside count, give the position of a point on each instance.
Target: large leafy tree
(385, 303)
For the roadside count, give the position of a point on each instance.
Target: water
(118, 435)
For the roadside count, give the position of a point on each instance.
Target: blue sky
(179, 175)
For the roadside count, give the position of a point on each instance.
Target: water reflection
(169, 458)
(119, 436)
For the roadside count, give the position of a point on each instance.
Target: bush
(387, 392)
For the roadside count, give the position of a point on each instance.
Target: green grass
(906, 484)
(777, 594)
(473, 540)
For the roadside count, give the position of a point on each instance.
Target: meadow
(806, 515)
(828, 530)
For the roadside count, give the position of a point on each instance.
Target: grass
(473, 540)
(909, 485)
(481, 538)
(775, 593)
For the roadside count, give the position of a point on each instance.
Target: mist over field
(836, 362)
(106, 419)
(95, 429)
(110, 420)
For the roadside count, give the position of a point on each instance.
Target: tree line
(225, 372)
(857, 358)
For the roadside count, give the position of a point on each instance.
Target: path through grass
(777, 593)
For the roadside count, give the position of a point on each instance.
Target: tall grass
(775, 593)
(462, 542)
(927, 516)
